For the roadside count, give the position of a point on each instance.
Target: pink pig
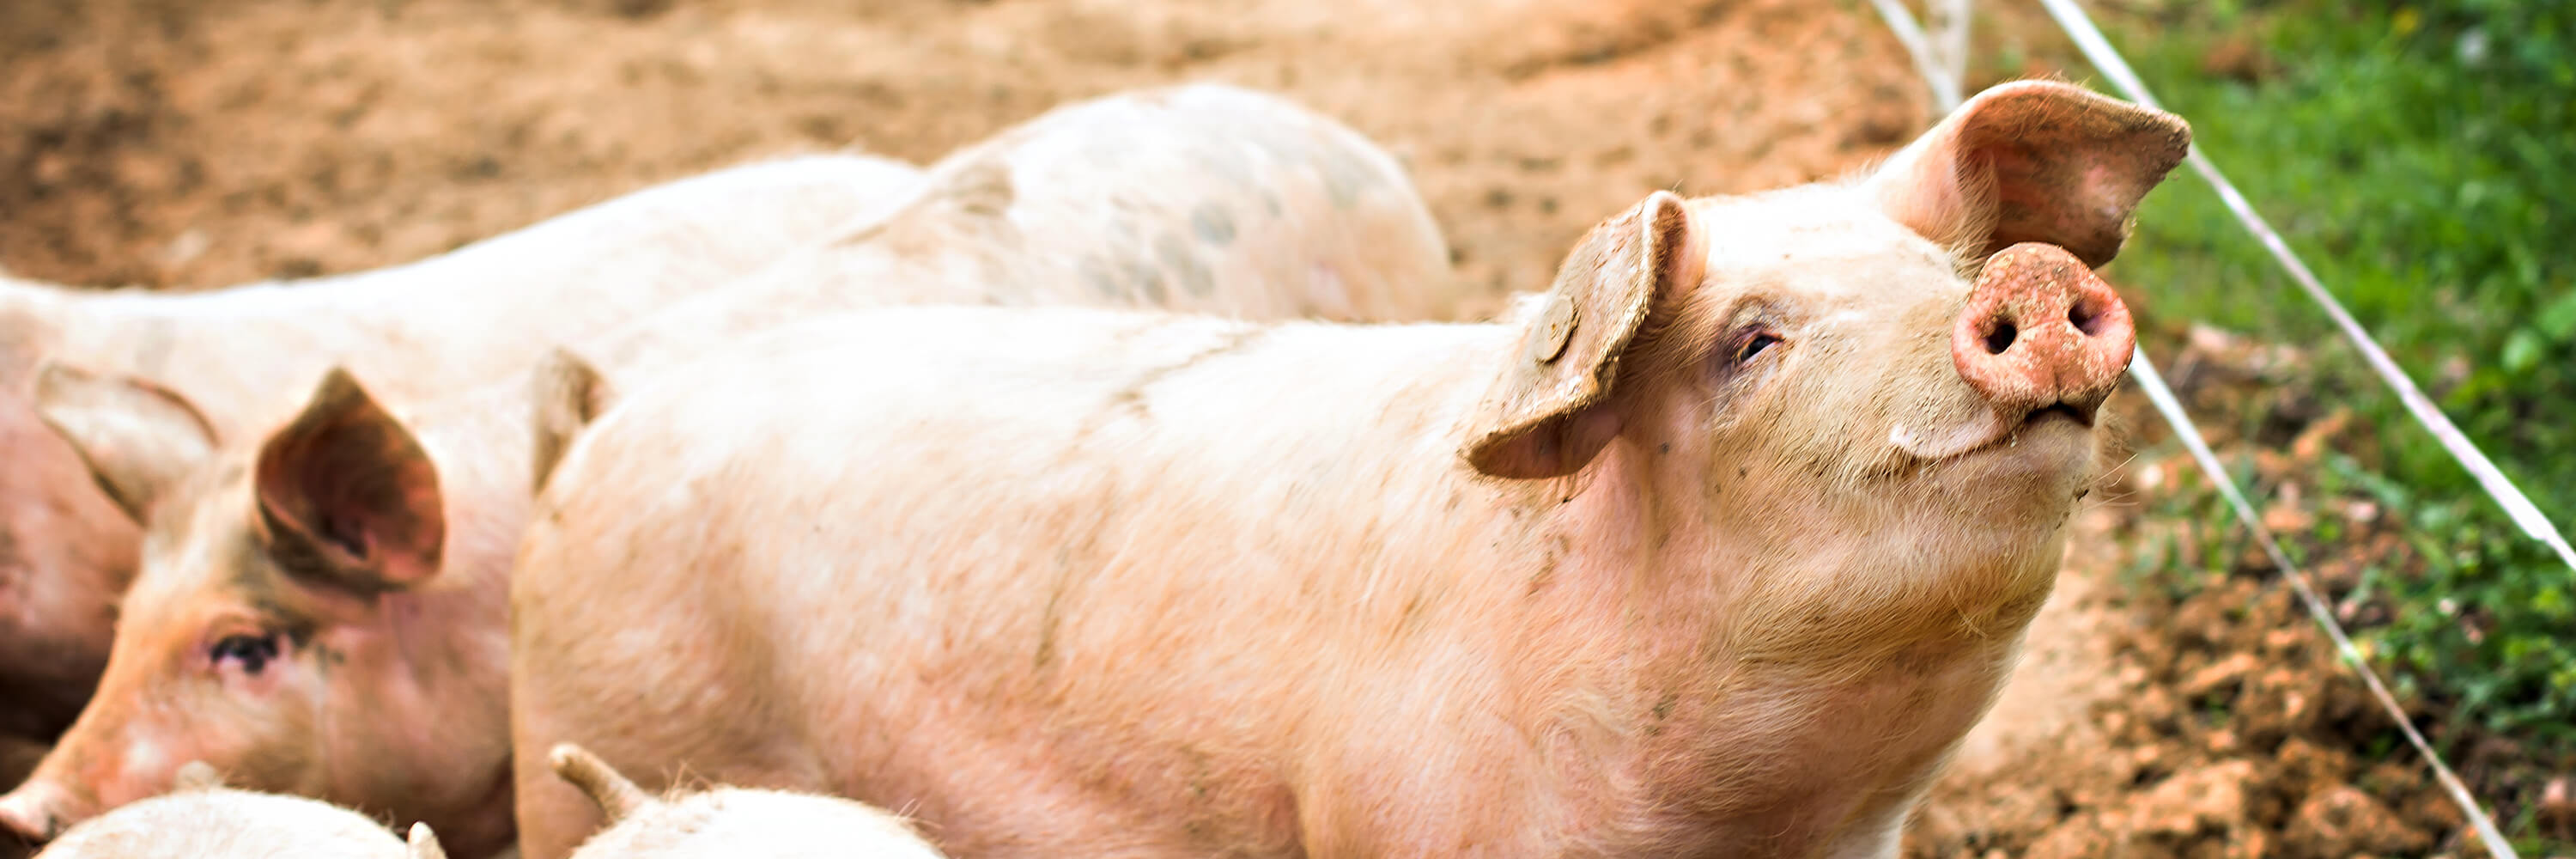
(1715, 548)
(438, 326)
(322, 612)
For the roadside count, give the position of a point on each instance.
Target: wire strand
(2516, 504)
(2098, 49)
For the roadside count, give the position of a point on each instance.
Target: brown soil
(179, 144)
(182, 144)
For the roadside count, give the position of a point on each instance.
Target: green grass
(2421, 157)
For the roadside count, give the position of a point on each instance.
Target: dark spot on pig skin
(1176, 257)
(1100, 276)
(1271, 201)
(1342, 183)
(1146, 281)
(1666, 447)
(1213, 224)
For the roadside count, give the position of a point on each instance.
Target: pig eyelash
(254, 651)
(1751, 342)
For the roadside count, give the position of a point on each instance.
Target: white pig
(202, 819)
(730, 822)
(322, 611)
(241, 356)
(1715, 548)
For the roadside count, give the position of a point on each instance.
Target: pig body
(731, 821)
(213, 822)
(379, 539)
(1715, 548)
(438, 326)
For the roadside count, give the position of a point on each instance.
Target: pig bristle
(616, 796)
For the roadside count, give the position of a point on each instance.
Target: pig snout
(29, 815)
(2042, 331)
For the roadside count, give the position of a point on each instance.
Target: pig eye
(254, 651)
(1753, 345)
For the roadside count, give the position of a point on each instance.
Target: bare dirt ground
(180, 145)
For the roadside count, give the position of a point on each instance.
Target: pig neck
(1734, 697)
(439, 742)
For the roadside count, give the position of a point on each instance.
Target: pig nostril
(2000, 337)
(2085, 318)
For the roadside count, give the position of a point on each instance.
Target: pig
(202, 819)
(730, 821)
(433, 327)
(1715, 547)
(323, 612)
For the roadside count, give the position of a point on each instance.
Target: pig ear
(1545, 416)
(2032, 161)
(616, 796)
(423, 843)
(570, 393)
(348, 496)
(138, 438)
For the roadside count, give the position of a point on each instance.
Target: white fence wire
(1943, 64)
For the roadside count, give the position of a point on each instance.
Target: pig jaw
(1806, 645)
(1779, 720)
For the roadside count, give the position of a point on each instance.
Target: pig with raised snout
(1715, 548)
(434, 327)
(730, 822)
(203, 819)
(322, 612)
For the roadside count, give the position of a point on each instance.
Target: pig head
(287, 623)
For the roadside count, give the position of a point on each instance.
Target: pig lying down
(730, 821)
(1716, 547)
(240, 358)
(205, 820)
(321, 611)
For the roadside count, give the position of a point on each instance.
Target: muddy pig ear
(138, 438)
(423, 844)
(347, 496)
(2032, 161)
(1546, 414)
(570, 393)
